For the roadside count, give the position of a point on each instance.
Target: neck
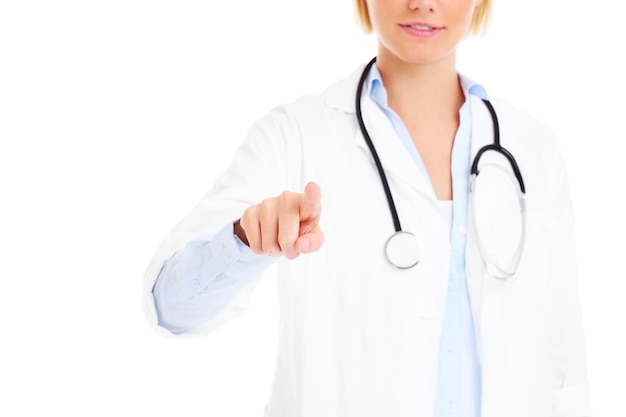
(421, 89)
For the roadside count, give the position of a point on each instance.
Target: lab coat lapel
(394, 157)
(482, 125)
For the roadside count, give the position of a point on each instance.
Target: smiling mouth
(421, 26)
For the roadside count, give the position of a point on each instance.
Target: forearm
(196, 284)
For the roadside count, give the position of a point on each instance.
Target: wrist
(240, 233)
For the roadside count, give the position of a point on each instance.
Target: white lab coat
(359, 338)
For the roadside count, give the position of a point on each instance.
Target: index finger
(311, 202)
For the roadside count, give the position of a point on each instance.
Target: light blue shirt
(197, 283)
(459, 378)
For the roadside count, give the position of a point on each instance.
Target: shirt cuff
(201, 263)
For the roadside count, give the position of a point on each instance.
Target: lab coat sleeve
(573, 396)
(258, 171)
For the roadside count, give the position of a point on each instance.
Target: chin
(414, 57)
(433, 51)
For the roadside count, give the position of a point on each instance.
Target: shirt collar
(377, 91)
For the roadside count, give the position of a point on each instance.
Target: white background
(115, 118)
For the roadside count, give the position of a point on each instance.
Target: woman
(438, 328)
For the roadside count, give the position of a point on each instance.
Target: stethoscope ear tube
(492, 266)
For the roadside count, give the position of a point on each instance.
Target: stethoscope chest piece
(403, 250)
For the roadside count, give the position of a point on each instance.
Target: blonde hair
(478, 26)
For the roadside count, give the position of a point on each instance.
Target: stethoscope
(403, 249)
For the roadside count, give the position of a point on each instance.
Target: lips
(421, 26)
(421, 30)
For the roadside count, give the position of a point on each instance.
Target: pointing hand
(287, 224)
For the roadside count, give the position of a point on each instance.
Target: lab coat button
(450, 346)
(195, 284)
(226, 251)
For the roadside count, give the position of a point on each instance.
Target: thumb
(310, 241)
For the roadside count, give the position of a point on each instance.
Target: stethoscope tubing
(495, 146)
(370, 145)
